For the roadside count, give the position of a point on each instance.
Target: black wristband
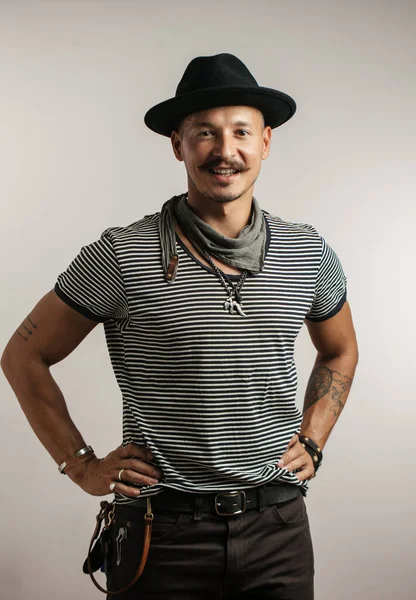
(312, 445)
(314, 456)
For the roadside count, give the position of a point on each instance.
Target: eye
(240, 131)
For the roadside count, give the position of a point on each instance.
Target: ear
(267, 138)
(176, 145)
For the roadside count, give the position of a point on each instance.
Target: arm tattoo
(28, 330)
(324, 380)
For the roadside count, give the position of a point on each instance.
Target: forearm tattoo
(26, 329)
(323, 381)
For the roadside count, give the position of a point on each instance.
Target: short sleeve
(330, 288)
(93, 283)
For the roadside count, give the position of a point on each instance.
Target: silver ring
(119, 475)
(112, 486)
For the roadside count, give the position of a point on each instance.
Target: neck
(227, 218)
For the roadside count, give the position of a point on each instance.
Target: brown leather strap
(107, 512)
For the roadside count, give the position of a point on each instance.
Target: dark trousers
(259, 554)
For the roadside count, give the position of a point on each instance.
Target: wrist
(314, 436)
(312, 448)
(76, 467)
(81, 452)
(77, 460)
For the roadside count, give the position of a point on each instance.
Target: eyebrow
(209, 124)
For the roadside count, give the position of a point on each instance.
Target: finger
(293, 441)
(308, 471)
(306, 474)
(142, 467)
(128, 475)
(291, 454)
(136, 450)
(298, 463)
(126, 490)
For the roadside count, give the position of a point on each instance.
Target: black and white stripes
(211, 394)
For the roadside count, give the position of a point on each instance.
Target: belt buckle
(241, 494)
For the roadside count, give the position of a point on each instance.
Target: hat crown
(215, 71)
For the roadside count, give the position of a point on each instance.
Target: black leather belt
(224, 503)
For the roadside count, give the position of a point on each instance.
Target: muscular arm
(331, 378)
(47, 335)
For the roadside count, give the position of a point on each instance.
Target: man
(201, 304)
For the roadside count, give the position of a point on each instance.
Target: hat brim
(276, 106)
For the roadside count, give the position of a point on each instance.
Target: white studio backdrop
(76, 80)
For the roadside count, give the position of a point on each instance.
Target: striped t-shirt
(212, 394)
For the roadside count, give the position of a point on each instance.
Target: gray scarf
(246, 252)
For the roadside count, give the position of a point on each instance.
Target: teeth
(224, 172)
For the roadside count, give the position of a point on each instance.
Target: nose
(224, 146)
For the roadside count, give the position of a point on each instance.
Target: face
(231, 137)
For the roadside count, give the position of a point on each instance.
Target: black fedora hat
(219, 80)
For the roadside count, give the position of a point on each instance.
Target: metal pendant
(232, 306)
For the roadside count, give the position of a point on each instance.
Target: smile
(228, 175)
